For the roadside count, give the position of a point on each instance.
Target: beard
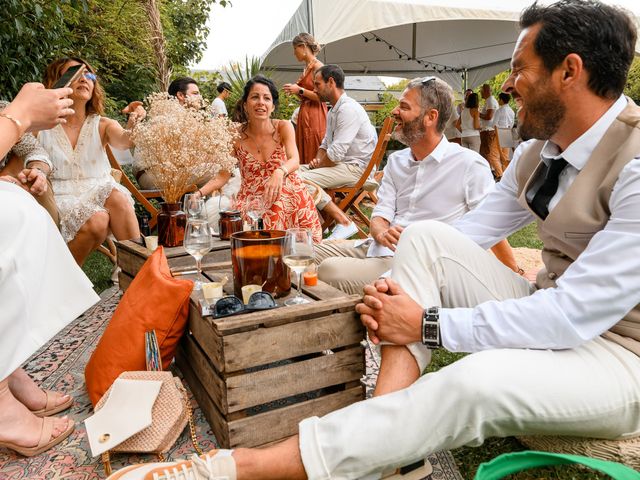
(543, 114)
(411, 132)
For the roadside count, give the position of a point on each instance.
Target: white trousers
(340, 175)
(589, 391)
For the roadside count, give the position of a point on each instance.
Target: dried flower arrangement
(176, 144)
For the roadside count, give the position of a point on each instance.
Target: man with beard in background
(432, 179)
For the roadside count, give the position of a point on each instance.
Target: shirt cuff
(38, 158)
(456, 329)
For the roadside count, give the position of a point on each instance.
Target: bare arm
(503, 252)
(321, 160)
(488, 115)
(112, 132)
(273, 186)
(216, 183)
(476, 120)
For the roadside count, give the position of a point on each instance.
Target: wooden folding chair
(348, 198)
(142, 196)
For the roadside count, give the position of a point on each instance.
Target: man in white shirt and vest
(431, 179)
(558, 357)
(488, 142)
(345, 150)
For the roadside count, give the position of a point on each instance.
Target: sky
(248, 27)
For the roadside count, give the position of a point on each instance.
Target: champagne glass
(194, 206)
(298, 255)
(255, 209)
(197, 243)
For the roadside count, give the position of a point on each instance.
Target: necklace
(258, 145)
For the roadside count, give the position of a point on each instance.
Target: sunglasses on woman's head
(232, 305)
(90, 76)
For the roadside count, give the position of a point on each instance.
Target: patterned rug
(59, 365)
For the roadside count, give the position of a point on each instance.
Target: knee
(118, 201)
(97, 227)
(475, 379)
(426, 232)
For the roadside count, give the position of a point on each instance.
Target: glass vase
(172, 222)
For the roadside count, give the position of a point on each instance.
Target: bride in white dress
(90, 201)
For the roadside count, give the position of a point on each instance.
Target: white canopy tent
(464, 42)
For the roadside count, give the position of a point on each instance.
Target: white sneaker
(342, 232)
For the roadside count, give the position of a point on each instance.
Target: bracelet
(284, 170)
(15, 121)
(40, 170)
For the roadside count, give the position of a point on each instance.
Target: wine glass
(197, 243)
(255, 209)
(298, 255)
(194, 206)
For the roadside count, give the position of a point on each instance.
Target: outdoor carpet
(59, 365)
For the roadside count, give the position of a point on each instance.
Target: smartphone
(70, 76)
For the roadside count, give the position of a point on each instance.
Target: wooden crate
(131, 256)
(257, 375)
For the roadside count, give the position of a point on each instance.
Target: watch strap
(431, 337)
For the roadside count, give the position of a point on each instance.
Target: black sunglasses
(427, 80)
(232, 305)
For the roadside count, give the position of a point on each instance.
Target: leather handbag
(170, 414)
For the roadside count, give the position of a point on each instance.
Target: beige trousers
(331, 177)
(589, 391)
(343, 265)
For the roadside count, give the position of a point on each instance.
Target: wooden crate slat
(267, 345)
(209, 378)
(206, 337)
(216, 420)
(227, 325)
(263, 386)
(283, 422)
(124, 280)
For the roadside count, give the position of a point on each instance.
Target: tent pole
(413, 46)
(465, 79)
(310, 28)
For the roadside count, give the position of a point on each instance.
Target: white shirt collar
(437, 153)
(340, 100)
(580, 149)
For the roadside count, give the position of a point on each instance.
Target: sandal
(217, 464)
(51, 408)
(45, 442)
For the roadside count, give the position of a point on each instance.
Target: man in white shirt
(561, 357)
(504, 118)
(218, 107)
(432, 179)
(488, 141)
(345, 150)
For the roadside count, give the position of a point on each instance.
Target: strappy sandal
(51, 408)
(217, 464)
(45, 442)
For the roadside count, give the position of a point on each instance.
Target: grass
(98, 269)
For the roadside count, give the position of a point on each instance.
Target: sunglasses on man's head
(232, 305)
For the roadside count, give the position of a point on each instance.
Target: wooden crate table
(256, 375)
(131, 256)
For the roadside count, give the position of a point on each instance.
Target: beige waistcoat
(584, 209)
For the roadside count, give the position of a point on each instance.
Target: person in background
(469, 123)
(488, 140)
(90, 201)
(42, 288)
(504, 118)
(312, 116)
(218, 106)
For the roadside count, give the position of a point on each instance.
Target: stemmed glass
(255, 208)
(194, 207)
(197, 243)
(298, 255)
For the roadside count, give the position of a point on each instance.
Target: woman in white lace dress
(91, 203)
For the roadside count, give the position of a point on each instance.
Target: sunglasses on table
(232, 305)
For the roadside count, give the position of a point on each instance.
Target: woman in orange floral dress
(311, 124)
(268, 157)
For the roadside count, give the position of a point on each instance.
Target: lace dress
(81, 177)
(294, 207)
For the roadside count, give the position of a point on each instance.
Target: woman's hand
(273, 187)
(36, 178)
(136, 112)
(292, 88)
(37, 108)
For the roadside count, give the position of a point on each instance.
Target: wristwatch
(431, 328)
(301, 92)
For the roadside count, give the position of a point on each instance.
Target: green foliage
(400, 86)
(32, 33)
(389, 103)
(112, 35)
(238, 75)
(288, 103)
(207, 82)
(633, 81)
